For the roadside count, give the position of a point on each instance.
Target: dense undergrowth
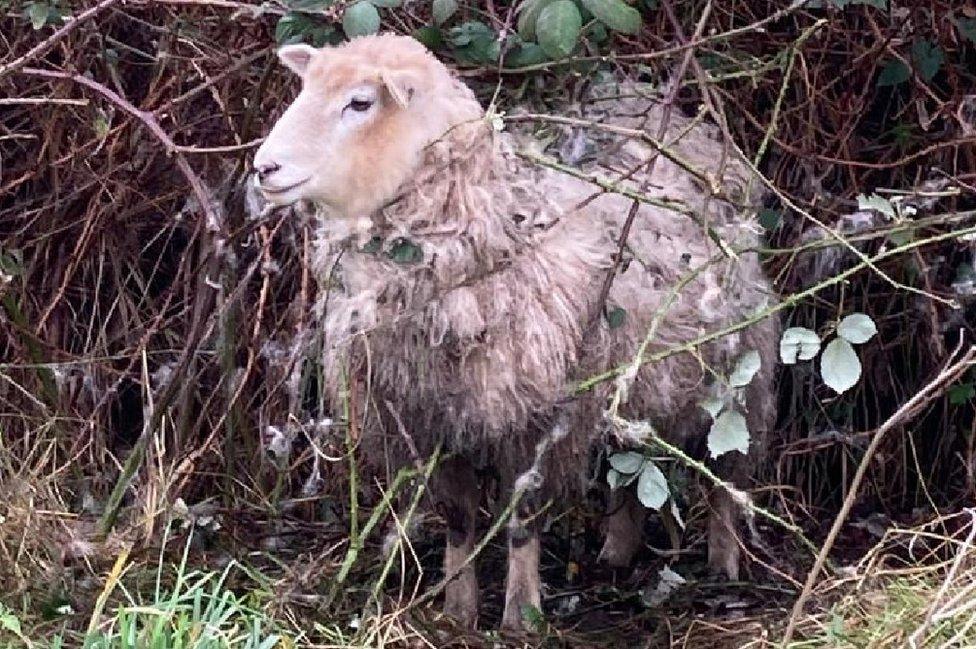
(157, 350)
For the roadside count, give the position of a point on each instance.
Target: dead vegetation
(152, 333)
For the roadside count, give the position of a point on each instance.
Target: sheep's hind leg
(522, 584)
(457, 494)
(624, 529)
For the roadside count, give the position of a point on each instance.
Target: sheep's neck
(467, 191)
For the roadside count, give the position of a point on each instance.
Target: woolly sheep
(461, 295)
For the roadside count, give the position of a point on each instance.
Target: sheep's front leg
(458, 497)
(522, 585)
(724, 551)
(723, 542)
(624, 529)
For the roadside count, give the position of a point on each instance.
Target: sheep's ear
(401, 85)
(296, 57)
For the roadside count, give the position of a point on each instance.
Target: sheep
(463, 295)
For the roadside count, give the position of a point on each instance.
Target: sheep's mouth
(278, 191)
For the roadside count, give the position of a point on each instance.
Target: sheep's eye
(360, 105)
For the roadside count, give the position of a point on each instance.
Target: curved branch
(200, 191)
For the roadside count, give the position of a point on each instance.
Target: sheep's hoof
(516, 620)
(522, 613)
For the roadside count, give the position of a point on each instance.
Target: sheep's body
(461, 306)
(474, 345)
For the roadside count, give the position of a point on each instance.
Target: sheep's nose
(265, 169)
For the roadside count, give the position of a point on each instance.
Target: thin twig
(41, 101)
(231, 148)
(47, 44)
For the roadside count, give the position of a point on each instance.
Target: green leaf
(534, 617)
(442, 10)
(271, 642)
(652, 487)
(360, 19)
(431, 37)
(857, 328)
(558, 28)
(292, 27)
(615, 14)
(37, 13)
(798, 343)
(476, 43)
(745, 368)
(614, 478)
(836, 631)
(927, 58)
(876, 203)
(839, 366)
(9, 622)
(962, 393)
(616, 317)
(386, 4)
(769, 219)
(295, 27)
(528, 17)
(467, 33)
(525, 54)
(404, 251)
(626, 462)
(12, 262)
(481, 51)
(893, 73)
(596, 32)
(712, 405)
(901, 237)
(729, 432)
(101, 126)
(967, 28)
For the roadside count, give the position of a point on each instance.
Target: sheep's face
(357, 129)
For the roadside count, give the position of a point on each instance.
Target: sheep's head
(357, 129)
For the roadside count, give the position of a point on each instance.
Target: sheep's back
(667, 248)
